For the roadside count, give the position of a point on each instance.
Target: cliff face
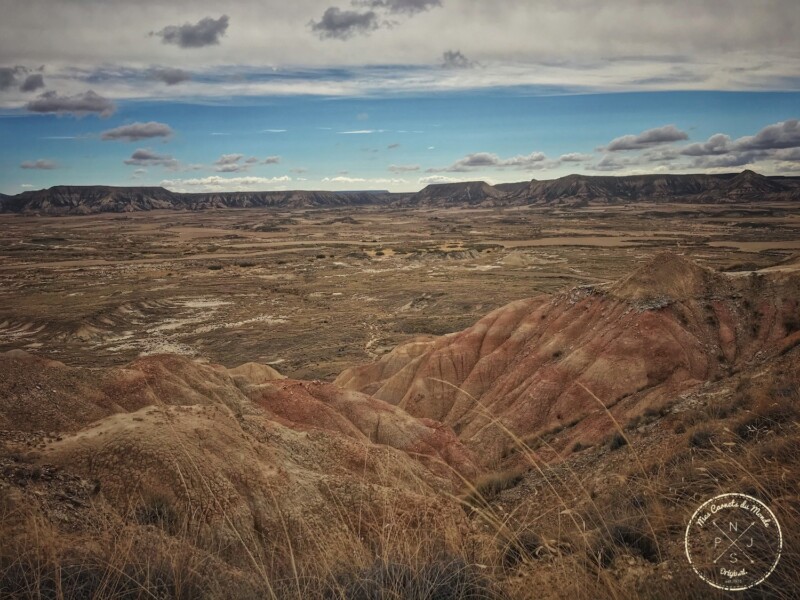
(82, 200)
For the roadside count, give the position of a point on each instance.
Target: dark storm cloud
(78, 105)
(170, 76)
(12, 76)
(138, 131)
(648, 138)
(206, 32)
(454, 59)
(9, 76)
(32, 83)
(144, 157)
(343, 24)
(41, 164)
(409, 7)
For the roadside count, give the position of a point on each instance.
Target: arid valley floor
(380, 402)
(313, 292)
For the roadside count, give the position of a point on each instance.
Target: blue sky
(204, 103)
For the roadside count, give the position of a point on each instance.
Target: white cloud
(374, 180)
(134, 132)
(534, 160)
(403, 168)
(574, 157)
(40, 164)
(437, 179)
(144, 157)
(647, 139)
(217, 183)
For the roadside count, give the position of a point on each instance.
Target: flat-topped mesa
(672, 277)
(83, 200)
(467, 192)
(746, 186)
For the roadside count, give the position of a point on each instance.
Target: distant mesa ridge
(79, 200)
(746, 186)
(729, 187)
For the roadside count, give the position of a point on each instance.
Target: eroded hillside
(558, 442)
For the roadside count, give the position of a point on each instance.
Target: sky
(199, 96)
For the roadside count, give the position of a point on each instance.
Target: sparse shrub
(523, 546)
(791, 323)
(637, 539)
(78, 576)
(214, 267)
(446, 579)
(578, 446)
(750, 427)
(701, 438)
(379, 253)
(633, 423)
(491, 484)
(247, 265)
(601, 554)
(617, 441)
(157, 510)
(723, 410)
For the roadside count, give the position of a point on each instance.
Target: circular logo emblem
(733, 542)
